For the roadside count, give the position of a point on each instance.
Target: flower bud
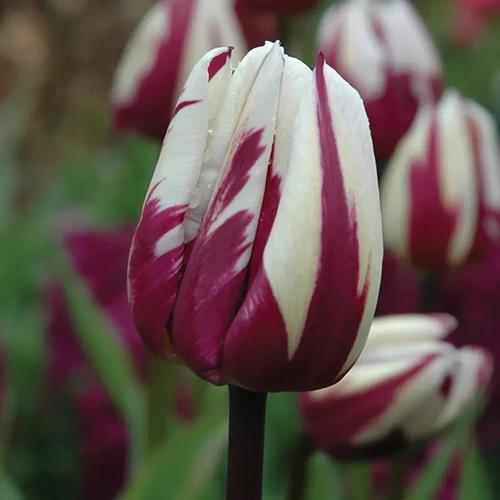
(264, 198)
(441, 191)
(407, 386)
(384, 50)
(169, 40)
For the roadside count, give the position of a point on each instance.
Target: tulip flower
(281, 7)
(384, 50)
(169, 40)
(471, 16)
(264, 198)
(441, 191)
(407, 386)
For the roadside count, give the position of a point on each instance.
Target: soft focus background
(72, 368)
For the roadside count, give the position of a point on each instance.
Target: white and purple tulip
(384, 50)
(407, 386)
(168, 41)
(441, 190)
(257, 258)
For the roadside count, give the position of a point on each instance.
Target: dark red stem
(247, 419)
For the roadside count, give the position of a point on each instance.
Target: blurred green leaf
(108, 355)
(434, 472)
(324, 479)
(8, 490)
(185, 467)
(474, 481)
(284, 431)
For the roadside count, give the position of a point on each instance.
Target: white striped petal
(407, 329)
(140, 53)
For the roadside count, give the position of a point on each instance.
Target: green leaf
(474, 481)
(185, 466)
(284, 431)
(435, 471)
(107, 354)
(8, 490)
(324, 480)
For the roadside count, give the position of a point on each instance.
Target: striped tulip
(441, 191)
(169, 40)
(384, 50)
(265, 196)
(407, 386)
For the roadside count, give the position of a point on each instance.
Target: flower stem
(247, 419)
(428, 289)
(360, 481)
(160, 401)
(298, 476)
(396, 490)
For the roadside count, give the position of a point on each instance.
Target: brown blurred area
(57, 59)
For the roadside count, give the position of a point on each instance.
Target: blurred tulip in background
(407, 386)
(471, 16)
(262, 199)
(100, 258)
(384, 50)
(169, 40)
(441, 191)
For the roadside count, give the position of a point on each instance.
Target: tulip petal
(146, 82)
(213, 283)
(327, 231)
(157, 252)
(366, 414)
(407, 329)
(428, 191)
(469, 372)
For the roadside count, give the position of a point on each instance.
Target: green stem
(396, 490)
(161, 376)
(247, 419)
(299, 468)
(360, 481)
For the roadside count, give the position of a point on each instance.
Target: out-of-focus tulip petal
(385, 51)
(169, 40)
(441, 191)
(408, 329)
(395, 396)
(157, 253)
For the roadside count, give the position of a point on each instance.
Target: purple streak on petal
(430, 219)
(212, 289)
(256, 348)
(485, 242)
(270, 205)
(184, 104)
(151, 110)
(334, 421)
(153, 280)
(218, 62)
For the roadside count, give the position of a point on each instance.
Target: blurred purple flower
(399, 288)
(101, 260)
(473, 297)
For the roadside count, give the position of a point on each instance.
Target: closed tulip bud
(407, 386)
(169, 40)
(257, 258)
(441, 191)
(384, 50)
